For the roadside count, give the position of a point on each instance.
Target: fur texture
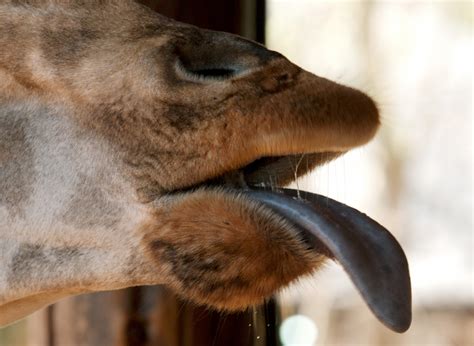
(107, 109)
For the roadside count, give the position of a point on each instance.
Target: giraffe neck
(64, 220)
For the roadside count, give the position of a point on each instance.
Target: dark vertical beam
(242, 17)
(260, 19)
(209, 14)
(50, 325)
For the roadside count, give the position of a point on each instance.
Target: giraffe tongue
(370, 255)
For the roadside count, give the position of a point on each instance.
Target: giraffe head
(170, 129)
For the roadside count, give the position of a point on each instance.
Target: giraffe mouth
(371, 256)
(282, 170)
(273, 171)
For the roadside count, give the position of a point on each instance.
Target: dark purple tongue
(370, 255)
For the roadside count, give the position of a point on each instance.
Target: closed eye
(219, 73)
(206, 72)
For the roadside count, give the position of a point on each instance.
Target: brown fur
(14, 148)
(132, 80)
(228, 252)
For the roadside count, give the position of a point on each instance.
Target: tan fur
(110, 118)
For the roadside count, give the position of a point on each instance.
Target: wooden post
(153, 315)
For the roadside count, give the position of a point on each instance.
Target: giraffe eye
(214, 73)
(207, 72)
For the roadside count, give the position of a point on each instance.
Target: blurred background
(415, 58)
